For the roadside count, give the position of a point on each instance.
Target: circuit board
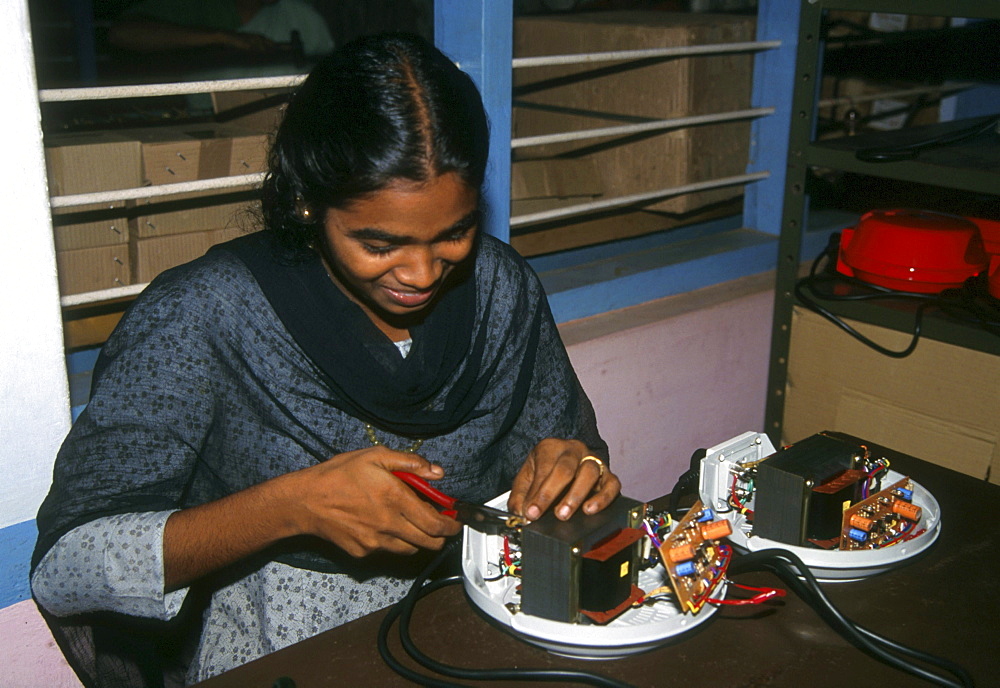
(880, 520)
(692, 557)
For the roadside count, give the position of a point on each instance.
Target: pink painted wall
(672, 376)
(29, 657)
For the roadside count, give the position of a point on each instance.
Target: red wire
(764, 594)
(725, 555)
(506, 552)
(901, 535)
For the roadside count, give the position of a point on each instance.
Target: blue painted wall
(16, 543)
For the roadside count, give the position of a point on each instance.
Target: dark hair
(380, 108)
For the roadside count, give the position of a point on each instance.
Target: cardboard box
(577, 97)
(539, 239)
(199, 212)
(542, 185)
(854, 23)
(129, 158)
(86, 162)
(546, 184)
(851, 22)
(152, 256)
(554, 178)
(91, 269)
(188, 153)
(573, 233)
(258, 110)
(92, 241)
(940, 404)
(90, 226)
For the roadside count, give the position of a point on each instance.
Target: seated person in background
(253, 26)
(247, 413)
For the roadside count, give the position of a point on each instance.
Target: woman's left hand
(560, 470)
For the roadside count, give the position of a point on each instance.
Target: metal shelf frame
(803, 153)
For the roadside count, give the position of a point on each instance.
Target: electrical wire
(797, 576)
(383, 631)
(810, 283)
(687, 482)
(903, 534)
(496, 674)
(763, 594)
(403, 611)
(866, 489)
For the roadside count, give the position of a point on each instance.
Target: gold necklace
(376, 442)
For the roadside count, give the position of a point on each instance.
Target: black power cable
(403, 611)
(686, 483)
(797, 576)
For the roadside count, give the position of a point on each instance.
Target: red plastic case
(913, 250)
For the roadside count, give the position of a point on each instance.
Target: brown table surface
(945, 602)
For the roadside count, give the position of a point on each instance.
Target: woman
(248, 412)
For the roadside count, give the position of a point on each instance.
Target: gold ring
(600, 465)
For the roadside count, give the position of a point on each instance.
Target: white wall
(34, 399)
(34, 393)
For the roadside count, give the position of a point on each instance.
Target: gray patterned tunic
(202, 392)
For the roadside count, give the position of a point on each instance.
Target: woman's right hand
(354, 501)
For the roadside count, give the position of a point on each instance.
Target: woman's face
(392, 251)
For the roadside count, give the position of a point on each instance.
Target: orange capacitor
(716, 530)
(906, 509)
(681, 553)
(861, 523)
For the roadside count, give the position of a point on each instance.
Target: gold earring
(302, 209)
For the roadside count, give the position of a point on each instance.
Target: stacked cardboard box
(171, 230)
(540, 185)
(92, 241)
(847, 22)
(579, 97)
(131, 242)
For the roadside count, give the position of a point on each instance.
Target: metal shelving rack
(979, 172)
